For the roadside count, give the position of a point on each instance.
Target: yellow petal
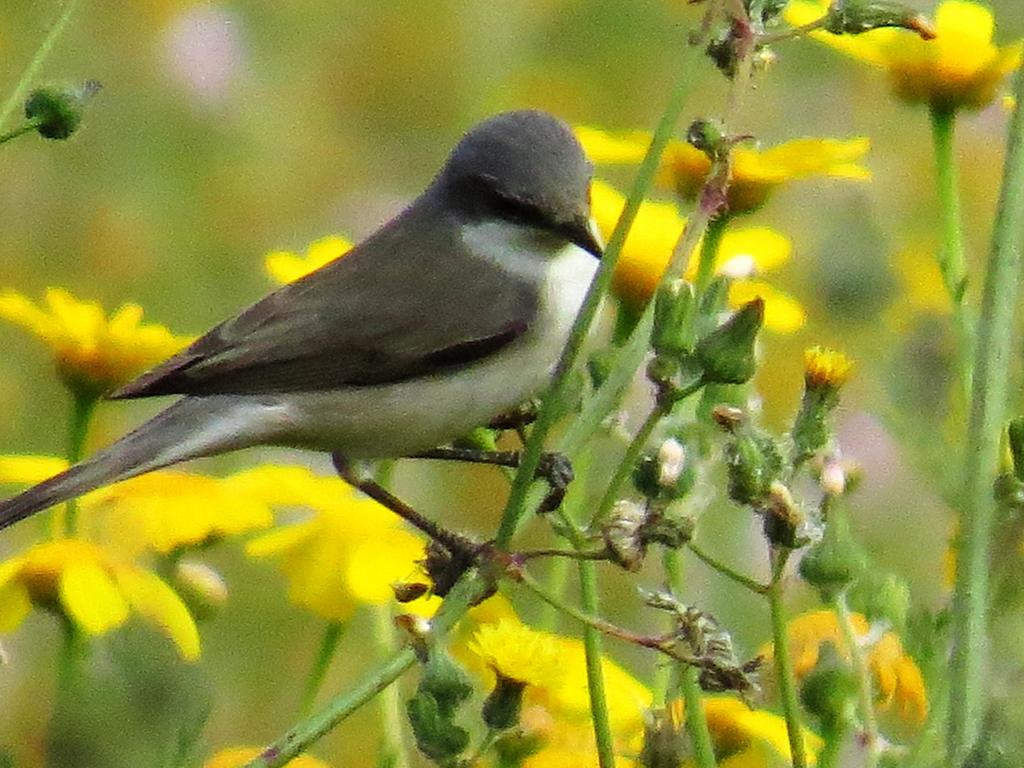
(607, 148)
(379, 562)
(29, 470)
(150, 596)
(91, 598)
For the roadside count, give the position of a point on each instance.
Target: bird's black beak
(583, 232)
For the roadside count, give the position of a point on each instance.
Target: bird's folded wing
(374, 316)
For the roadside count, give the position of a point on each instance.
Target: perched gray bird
(453, 312)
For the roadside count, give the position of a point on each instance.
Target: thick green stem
(83, 405)
(865, 690)
(470, 589)
(951, 258)
(784, 665)
(592, 645)
(992, 365)
(18, 94)
(328, 646)
(709, 253)
(392, 748)
(730, 573)
(515, 508)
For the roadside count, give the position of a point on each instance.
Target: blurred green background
(227, 130)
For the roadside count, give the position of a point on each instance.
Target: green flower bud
(834, 562)
(503, 704)
(201, 587)
(445, 681)
(726, 355)
(829, 691)
(825, 372)
(674, 307)
(621, 534)
(513, 747)
(667, 476)
(436, 735)
(707, 136)
(58, 111)
(853, 17)
(670, 530)
(753, 463)
(881, 597)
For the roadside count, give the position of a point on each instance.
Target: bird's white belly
(418, 414)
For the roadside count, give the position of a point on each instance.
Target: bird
(453, 312)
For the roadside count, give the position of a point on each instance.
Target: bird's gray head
(526, 167)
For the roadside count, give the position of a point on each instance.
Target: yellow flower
(826, 368)
(93, 353)
(751, 737)
(94, 589)
(349, 552)
(236, 757)
(742, 254)
(755, 173)
(163, 510)
(554, 669)
(287, 267)
(897, 680)
(961, 67)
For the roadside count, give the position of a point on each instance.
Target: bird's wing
(372, 317)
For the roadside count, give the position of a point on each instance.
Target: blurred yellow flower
(94, 353)
(237, 757)
(94, 589)
(745, 737)
(755, 173)
(743, 253)
(348, 552)
(287, 267)
(961, 67)
(898, 684)
(922, 289)
(163, 510)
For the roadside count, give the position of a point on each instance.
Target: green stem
(595, 676)
(18, 94)
(328, 646)
(83, 405)
(968, 688)
(69, 673)
(709, 254)
(27, 127)
(392, 747)
(470, 589)
(865, 692)
(515, 507)
(952, 261)
(784, 664)
(730, 573)
(696, 717)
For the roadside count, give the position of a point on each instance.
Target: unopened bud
(825, 372)
(726, 355)
(753, 463)
(835, 562)
(503, 704)
(671, 459)
(57, 112)
(829, 691)
(707, 136)
(436, 735)
(674, 307)
(201, 587)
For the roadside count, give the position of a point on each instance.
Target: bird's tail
(192, 427)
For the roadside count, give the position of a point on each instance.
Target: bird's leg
(555, 468)
(460, 547)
